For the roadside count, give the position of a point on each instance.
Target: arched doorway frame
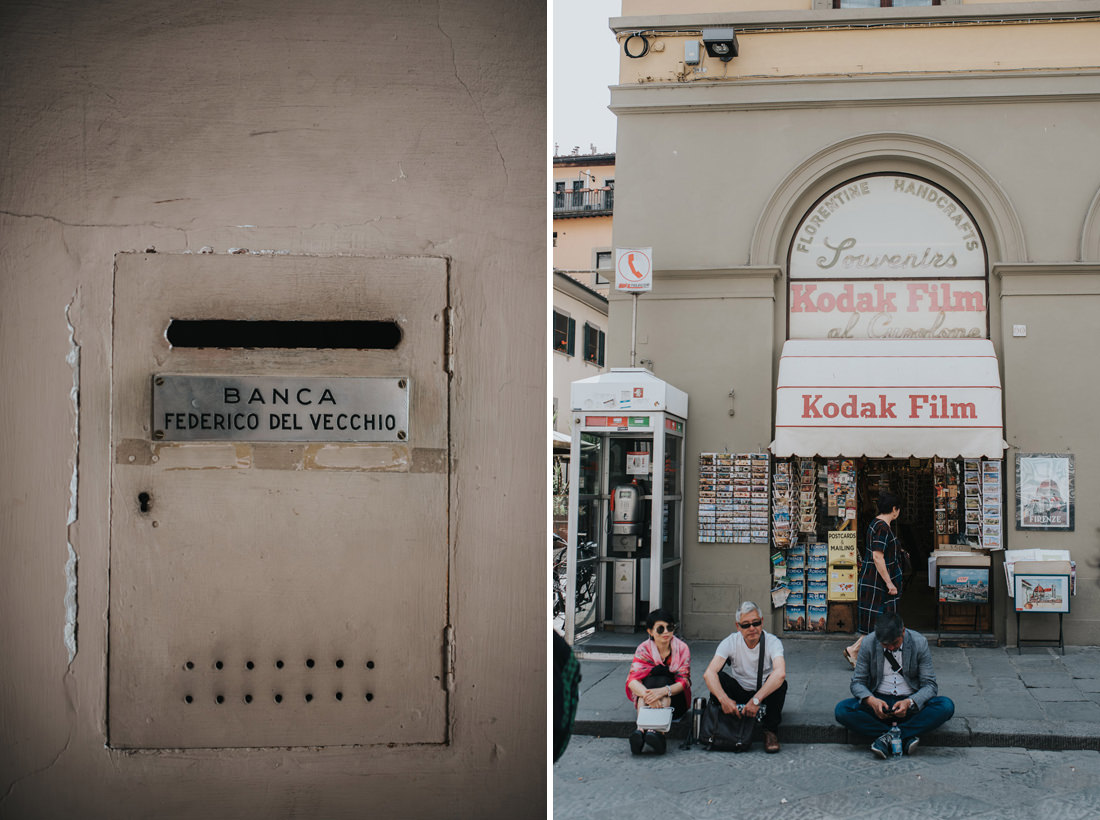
(1090, 232)
(953, 171)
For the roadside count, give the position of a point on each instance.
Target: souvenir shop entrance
(950, 521)
(911, 480)
(874, 402)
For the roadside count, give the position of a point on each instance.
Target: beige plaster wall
(338, 128)
(709, 332)
(874, 51)
(1047, 389)
(632, 7)
(600, 171)
(577, 241)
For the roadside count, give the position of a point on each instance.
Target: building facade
(826, 188)
(582, 200)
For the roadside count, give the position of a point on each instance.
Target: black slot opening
(343, 335)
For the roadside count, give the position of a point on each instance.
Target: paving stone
(998, 683)
(995, 704)
(1045, 680)
(1056, 694)
(1076, 711)
(811, 782)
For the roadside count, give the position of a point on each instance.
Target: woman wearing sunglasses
(660, 676)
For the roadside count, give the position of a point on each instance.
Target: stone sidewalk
(598, 779)
(1038, 699)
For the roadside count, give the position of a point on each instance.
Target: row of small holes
(278, 698)
(310, 663)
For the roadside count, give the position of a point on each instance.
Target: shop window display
(821, 508)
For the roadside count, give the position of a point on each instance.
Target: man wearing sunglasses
(894, 684)
(736, 691)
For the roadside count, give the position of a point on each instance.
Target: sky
(585, 61)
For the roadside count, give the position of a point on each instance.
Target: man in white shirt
(737, 692)
(894, 684)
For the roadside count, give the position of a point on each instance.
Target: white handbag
(659, 719)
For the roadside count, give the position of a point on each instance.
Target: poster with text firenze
(1044, 491)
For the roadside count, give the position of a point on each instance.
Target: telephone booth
(626, 498)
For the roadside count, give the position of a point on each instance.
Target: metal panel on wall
(284, 585)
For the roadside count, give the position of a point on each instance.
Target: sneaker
(909, 744)
(881, 747)
(771, 742)
(637, 741)
(657, 741)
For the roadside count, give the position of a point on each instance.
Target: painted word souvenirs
(888, 257)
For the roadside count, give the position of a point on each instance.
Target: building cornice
(573, 160)
(952, 88)
(1044, 268)
(1049, 279)
(751, 21)
(742, 282)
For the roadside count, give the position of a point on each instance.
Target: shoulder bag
(720, 732)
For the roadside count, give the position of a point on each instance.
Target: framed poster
(963, 585)
(1041, 593)
(1044, 491)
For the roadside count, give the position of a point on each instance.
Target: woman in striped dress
(880, 575)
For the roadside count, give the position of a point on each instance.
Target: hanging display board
(733, 498)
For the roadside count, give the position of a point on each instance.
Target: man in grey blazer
(894, 684)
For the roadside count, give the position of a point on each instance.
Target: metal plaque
(279, 408)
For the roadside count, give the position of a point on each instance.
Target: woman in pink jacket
(660, 676)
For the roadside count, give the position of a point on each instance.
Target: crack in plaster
(73, 360)
(71, 709)
(62, 222)
(473, 99)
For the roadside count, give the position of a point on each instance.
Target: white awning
(892, 398)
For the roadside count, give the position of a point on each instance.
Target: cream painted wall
(1057, 306)
(707, 333)
(874, 51)
(351, 128)
(577, 241)
(632, 7)
(600, 171)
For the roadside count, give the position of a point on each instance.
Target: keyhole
(146, 501)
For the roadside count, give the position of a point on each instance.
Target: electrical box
(691, 52)
(279, 502)
(624, 609)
